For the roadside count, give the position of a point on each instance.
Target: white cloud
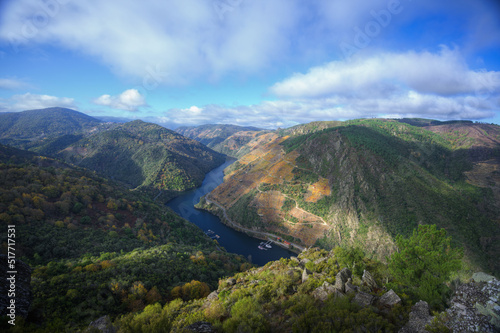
(30, 101)
(445, 73)
(129, 100)
(12, 84)
(183, 39)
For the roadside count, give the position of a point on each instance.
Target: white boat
(268, 244)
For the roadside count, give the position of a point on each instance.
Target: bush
(424, 262)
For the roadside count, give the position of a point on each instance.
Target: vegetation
(225, 139)
(145, 155)
(424, 262)
(45, 123)
(97, 248)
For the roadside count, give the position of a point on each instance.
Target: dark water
(232, 240)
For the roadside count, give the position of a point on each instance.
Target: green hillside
(367, 181)
(97, 248)
(144, 155)
(44, 123)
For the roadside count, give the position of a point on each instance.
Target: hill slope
(226, 139)
(144, 155)
(367, 181)
(97, 248)
(43, 123)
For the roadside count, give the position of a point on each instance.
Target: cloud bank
(197, 39)
(410, 84)
(30, 101)
(129, 100)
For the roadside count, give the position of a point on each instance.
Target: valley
(87, 200)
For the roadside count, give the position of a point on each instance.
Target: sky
(264, 63)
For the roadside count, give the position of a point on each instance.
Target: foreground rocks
(419, 318)
(475, 306)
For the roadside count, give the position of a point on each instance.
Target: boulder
(341, 278)
(320, 260)
(419, 318)
(322, 293)
(363, 299)
(482, 277)
(103, 325)
(350, 288)
(231, 281)
(389, 299)
(201, 327)
(368, 280)
(305, 275)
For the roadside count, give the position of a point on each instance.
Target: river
(232, 240)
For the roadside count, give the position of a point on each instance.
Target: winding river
(232, 240)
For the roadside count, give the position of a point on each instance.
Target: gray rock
(305, 275)
(320, 260)
(368, 280)
(214, 295)
(474, 306)
(491, 310)
(419, 318)
(294, 259)
(363, 299)
(201, 327)
(350, 288)
(304, 261)
(341, 278)
(482, 277)
(322, 293)
(231, 281)
(22, 282)
(389, 299)
(103, 324)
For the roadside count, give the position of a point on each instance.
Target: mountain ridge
(370, 180)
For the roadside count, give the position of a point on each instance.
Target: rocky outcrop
(103, 325)
(341, 279)
(305, 275)
(201, 327)
(389, 299)
(368, 280)
(419, 318)
(16, 284)
(475, 305)
(363, 299)
(322, 293)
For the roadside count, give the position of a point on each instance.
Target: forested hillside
(137, 153)
(226, 139)
(363, 182)
(97, 248)
(38, 128)
(144, 155)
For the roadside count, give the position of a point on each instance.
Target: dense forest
(98, 248)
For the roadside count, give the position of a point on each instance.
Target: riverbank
(215, 208)
(232, 240)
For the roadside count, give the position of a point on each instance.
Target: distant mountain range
(139, 154)
(226, 139)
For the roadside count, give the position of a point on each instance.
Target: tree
(424, 262)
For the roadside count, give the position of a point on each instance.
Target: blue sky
(272, 63)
